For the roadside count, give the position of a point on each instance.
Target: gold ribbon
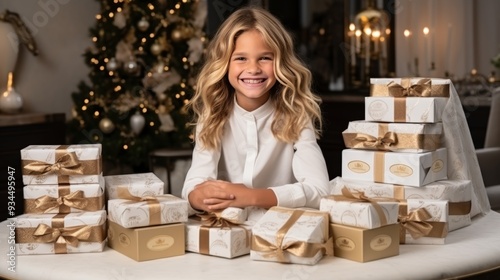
(215, 220)
(298, 248)
(416, 224)
(369, 141)
(75, 200)
(67, 164)
(154, 205)
(421, 88)
(359, 196)
(392, 141)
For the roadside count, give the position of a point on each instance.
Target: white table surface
(469, 250)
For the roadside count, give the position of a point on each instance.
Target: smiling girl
(256, 121)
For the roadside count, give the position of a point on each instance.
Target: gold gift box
(457, 192)
(397, 137)
(64, 198)
(364, 245)
(147, 243)
(412, 169)
(55, 164)
(137, 184)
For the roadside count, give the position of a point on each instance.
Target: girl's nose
(253, 68)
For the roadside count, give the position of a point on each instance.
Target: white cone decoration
(137, 122)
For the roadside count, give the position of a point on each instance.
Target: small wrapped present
(355, 209)
(147, 243)
(38, 234)
(148, 211)
(288, 235)
(457, 192)
(138, 184)
(53, 164)
(398, 137)
(402, 109)
(423, 222)
(412, 169)
(364, 245)
(64, 198)
(410, 87)
(212, 234)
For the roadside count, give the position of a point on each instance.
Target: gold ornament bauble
(156, 49)
(177, 35)
(106, 125)
(143, 24)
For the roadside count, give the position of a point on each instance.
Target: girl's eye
(267, 58)
(239, 58)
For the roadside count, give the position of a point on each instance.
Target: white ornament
(112, 64)
(10, 101)
(131, 66)
(143, 24)
(137, 122)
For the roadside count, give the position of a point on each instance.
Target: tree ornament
(10, 101)
(131, 66)
(112, 64)
(137, 122)
(143, 24)
(106, 125)
(156, 49)
(177, 35)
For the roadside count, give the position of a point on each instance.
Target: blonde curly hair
(295, 104)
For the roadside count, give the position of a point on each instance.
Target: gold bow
(67, 164)
(422, 88)
(47, 203)
(298, 248)
(69, 235)
(359, 196)
(216, 220)
(415, 223)
(389, 138)
(152, 201)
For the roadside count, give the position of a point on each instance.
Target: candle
(9, 81)
(448, 50)
(407, 35)
(358, 40)
(352, 47)
(427, 46)
(376, 36)
(368, 33)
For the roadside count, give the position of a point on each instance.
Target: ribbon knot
(75, 200)
(70, 235)
(216, 220)
(422, 88)
(389, 139)
(67, 164)
(415, 223)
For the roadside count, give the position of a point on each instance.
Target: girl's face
(251, 70)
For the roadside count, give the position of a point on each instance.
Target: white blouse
(250, 154)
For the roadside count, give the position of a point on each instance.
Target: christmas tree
(143, 62)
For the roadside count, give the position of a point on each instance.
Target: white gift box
(53, 164)
(400, 137)
(438, 221)
(412, 169)
(38, 234)
(457, 192)
(404, 109)
(164, 209)
(309, 227)
(360, 214)
(227, 242)
(64, 198)
(233, 214)
(138, 184)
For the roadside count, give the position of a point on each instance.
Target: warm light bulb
(368, 31)
(376, 33)
(352, 27)
(357, 33)
(425, 30)
(407, 33)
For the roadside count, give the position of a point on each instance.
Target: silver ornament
(156, 49)
(112, 64)
(131, 66)
(137, 122)
(106, 125)
(143, 24)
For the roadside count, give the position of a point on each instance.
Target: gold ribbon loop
(70, 235)
(422, 88)
(68, 164)
(389, 139)
(415, 223)
(75, 200)
(216, 220)
(152, 201)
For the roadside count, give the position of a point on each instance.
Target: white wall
(473, 26)
(61, 30)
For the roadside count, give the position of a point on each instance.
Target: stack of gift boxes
(64, 200)
(144, 223)
(398, 153)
